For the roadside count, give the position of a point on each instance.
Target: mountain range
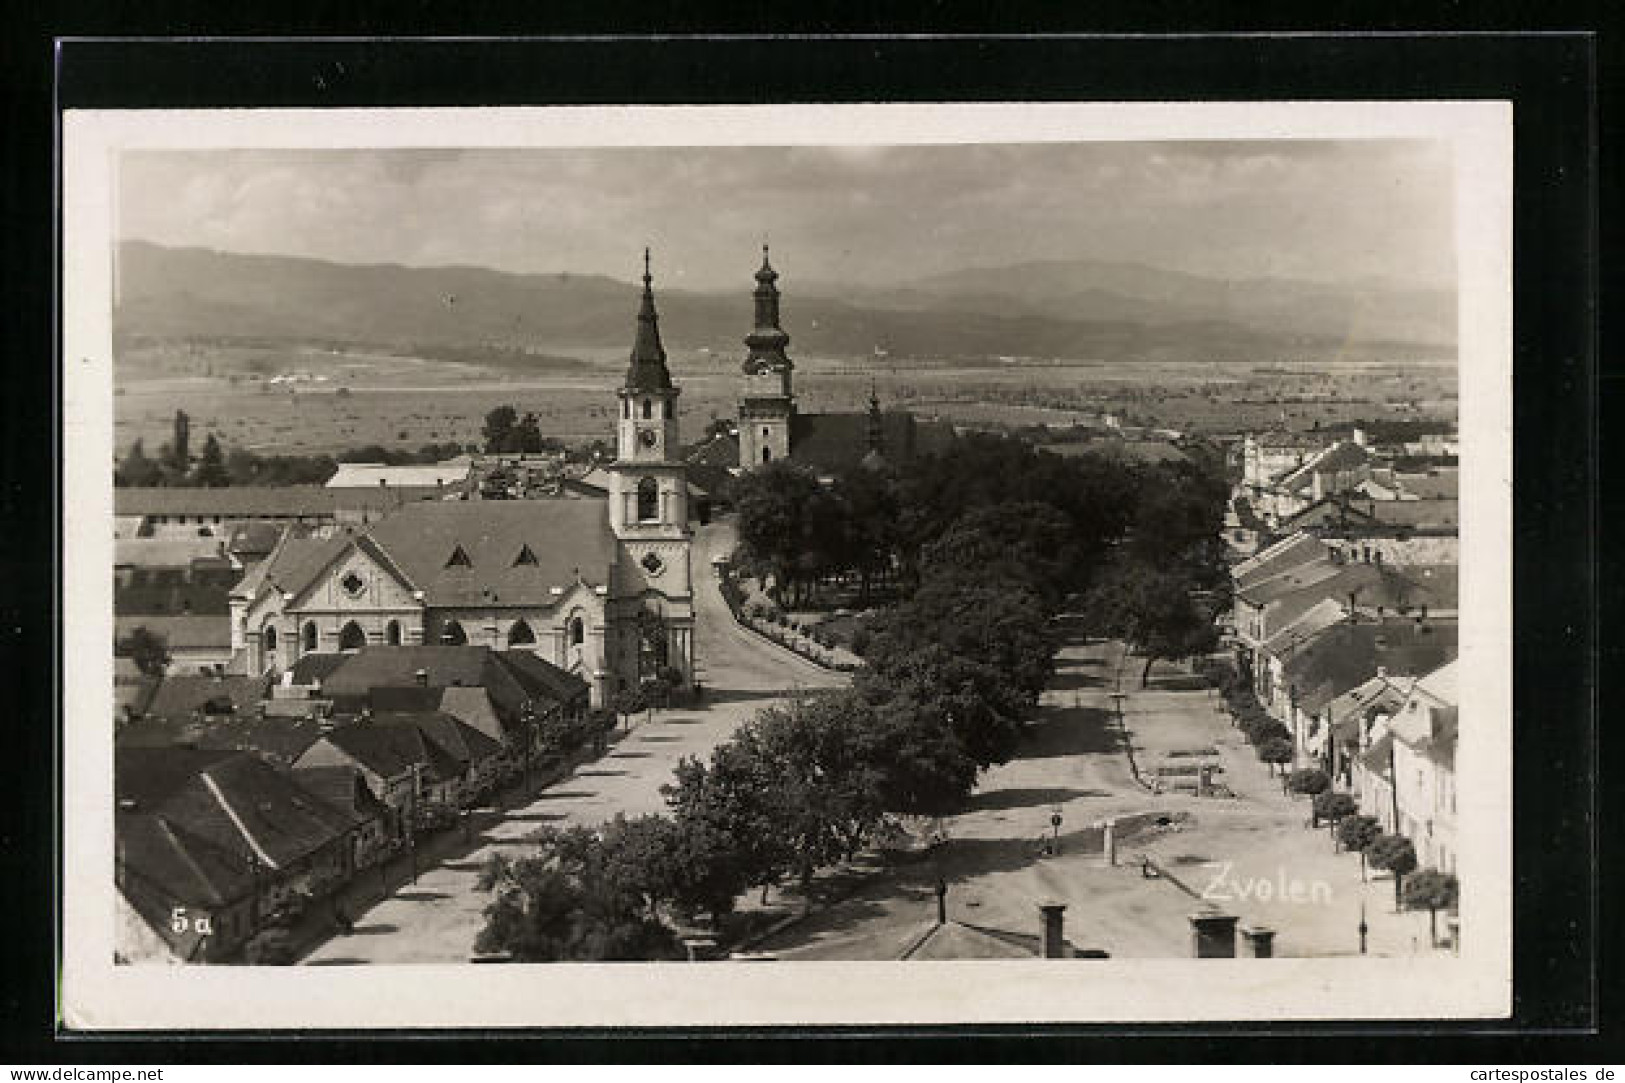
(1069, 309)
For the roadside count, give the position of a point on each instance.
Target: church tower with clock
(648, 508)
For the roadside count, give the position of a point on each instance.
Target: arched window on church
(352, 638)
(268, 637)
(668, 410)
(452, 635)
(392, 633)
(648, 409)
(767, 454)
(578, 632)
(310, 635)
(520, 634)
(648, 500)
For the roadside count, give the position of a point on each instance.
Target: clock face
(648, 438)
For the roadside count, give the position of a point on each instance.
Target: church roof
(839, 441)
(568, 538)
(647, 368)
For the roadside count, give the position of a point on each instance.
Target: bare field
(302, 400)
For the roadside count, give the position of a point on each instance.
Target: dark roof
(709, 463)
(317, 666)
(179, 695)
(1345, 656)
(211, 631)
(236, 501)
(279, 738)
(1419, 514)
(168, 598)
(569, 538)
(840, 441)
(387, 751)
(646, 368)
(343, 788)
(253, 539)
(1299, 550)
(511, 677)
(236, 801)
(158, 857)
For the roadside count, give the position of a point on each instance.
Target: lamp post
(1364, 928)
(1055, 827)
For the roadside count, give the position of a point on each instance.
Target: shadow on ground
(1071, 731)
(1029, 797)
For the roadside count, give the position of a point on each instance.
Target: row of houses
(242, 801)
(1354, 651)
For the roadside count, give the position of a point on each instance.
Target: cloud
(1320, 208)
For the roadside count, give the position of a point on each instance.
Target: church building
(772, 428)
(568, 580)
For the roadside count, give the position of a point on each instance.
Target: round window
(652, 563)
(352, 583)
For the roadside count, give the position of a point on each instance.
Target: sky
(1326, 210)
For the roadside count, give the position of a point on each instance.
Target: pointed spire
(877, 422)
(767, 339)
(647, 371)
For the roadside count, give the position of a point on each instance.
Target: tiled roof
(181, 694)
(159, 858)
(317, 666)
(567, 537)
(237, 802)
(1290, 552)
(164, 552)
(1434, 485)
(1420, 514)
(1345, 656)
(840, 441)
(208, 631)
(237, 501)
(342, 787)
(511, 677)
(281, 739)
(387, 751)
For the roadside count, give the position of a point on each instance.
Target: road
(1247, 850)
(436, 919)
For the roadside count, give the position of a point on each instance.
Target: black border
(1550, 78)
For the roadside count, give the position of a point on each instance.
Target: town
(870, 685)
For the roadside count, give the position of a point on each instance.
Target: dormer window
(525, 557)
(459, 559)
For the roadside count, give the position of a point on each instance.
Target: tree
(526, 437)
(730, 802)
(149, 650)
(179, 459)
(1435, 891)
(776, 507)
(1356, 833)
(1029, 544)
(630, 701)
(499, 424)
(1332, 807)
(211, 468)
(137, 469)
(924, 769)
(1153, 611)
(569, 903)
(870, 498)
(1396, 854)
(1311, 781)
(1275, 752)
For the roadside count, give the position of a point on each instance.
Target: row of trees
(506, 431)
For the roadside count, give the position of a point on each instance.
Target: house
(293, 843)
(1356, 718)
(419, 479)
(197, 643)
(422, 765)
(345, 789)
(500, 693)
(173, 511)
(1421, 769)
(1301, 681)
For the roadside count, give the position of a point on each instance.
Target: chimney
(1213, 935)
(1260, 941)
(421, 678)
(1050, 930)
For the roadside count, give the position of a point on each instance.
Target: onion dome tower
(767, 402)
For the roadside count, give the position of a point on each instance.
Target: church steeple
(877, 423)
(767, 340)
(647, 371)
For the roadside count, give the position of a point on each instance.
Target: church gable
(356, 579)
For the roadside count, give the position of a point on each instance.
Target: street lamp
(1055, 826)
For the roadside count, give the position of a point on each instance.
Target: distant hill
(1090, 311)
